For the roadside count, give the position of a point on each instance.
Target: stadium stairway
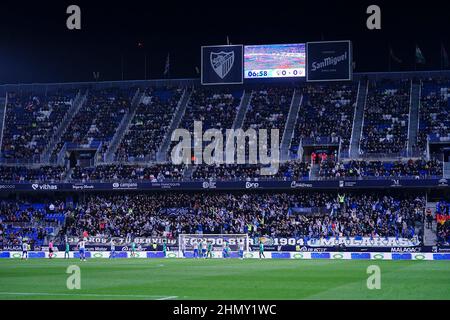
(291, 121)
(161, 155)
(413, 124)
(358, 117)
(446, 170)
(3, 103)
(242, 111)
(429, 236)
(67, 175)
(78, 102)
(123, 126)
(314, 173)
(187, 172)
(243, 106)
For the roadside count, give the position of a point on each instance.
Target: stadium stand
(32, 174)
(149, 125)
(272, 214)
(30, 121)
(434, 112)
(378, 169)
(326, 114)
(156, 172)
(443, 222)
(216, 108)
(268, 108)
(291, 170)
(32, 220)
(98, 118)
(385, 128)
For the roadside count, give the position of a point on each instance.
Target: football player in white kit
(25, 251)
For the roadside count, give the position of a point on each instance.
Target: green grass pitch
(223, 279)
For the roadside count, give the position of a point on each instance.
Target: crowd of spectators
(269, 214)
(21, 220)
(98, 118)
(326, 112)
(443, 222)
(434, 116)
(216, 109)
(149, 125)
(32, 174)
(372, 169)
(292, 170)
(385, 123)
(127, 172)
(30, 122)
(224, 172)
(269, 108)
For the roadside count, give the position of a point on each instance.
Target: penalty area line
(159, 297)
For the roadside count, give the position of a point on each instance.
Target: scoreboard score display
(274, 61)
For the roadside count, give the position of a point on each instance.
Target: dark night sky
(35, 45)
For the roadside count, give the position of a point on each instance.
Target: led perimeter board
(274, 61)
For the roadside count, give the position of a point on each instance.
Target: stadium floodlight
(197, 245)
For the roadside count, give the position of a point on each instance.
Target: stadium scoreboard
(315, 61)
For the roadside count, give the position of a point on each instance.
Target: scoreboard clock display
(274, 61)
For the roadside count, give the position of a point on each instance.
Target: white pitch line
(86, 295)
(168, 298)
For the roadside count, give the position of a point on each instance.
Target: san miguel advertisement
(329, 61)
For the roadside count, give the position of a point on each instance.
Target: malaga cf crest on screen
(222, 62)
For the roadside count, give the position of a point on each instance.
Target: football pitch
(167, 279)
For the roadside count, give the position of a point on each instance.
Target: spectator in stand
(429, 218)
(313, 157)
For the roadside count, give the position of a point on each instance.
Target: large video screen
(274, 61)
